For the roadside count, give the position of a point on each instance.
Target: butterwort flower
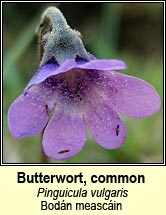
(73, 90)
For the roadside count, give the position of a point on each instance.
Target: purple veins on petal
(27, 115)
(64, 136)
(105, 126)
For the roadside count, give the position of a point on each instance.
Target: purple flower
(63, 98)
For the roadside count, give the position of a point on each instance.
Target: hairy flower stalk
(72, 89)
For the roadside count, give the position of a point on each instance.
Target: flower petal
(49, 70)
(132, 96)
(27, 115)
(64, 136)
(105, 126)
(104, 65)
